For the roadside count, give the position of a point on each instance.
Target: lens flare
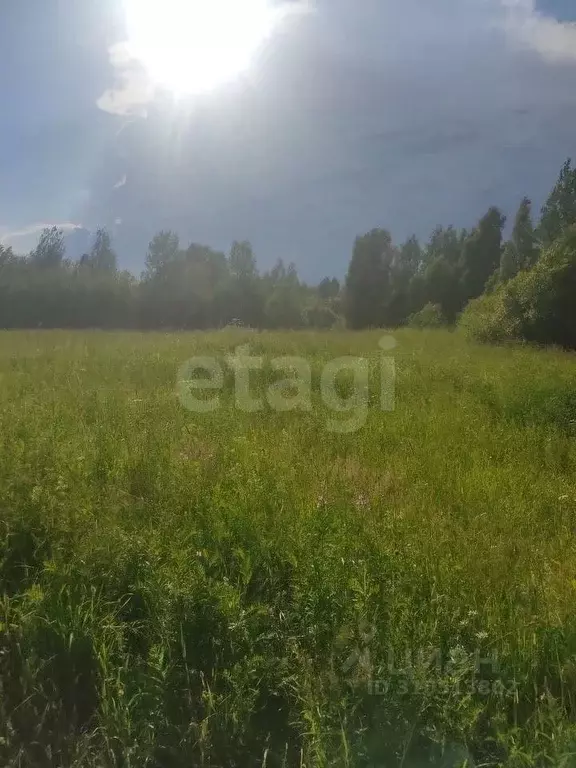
(194, 46)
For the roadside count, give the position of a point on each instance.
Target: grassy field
(219, 589)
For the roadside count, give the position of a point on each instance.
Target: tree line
(193, 287)
(495, 288)
(388, 286)
(522, 288)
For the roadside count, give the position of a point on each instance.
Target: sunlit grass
(191, 590)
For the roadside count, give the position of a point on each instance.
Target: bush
(430, 316)
(321, 316)
(493, 318)
(536, 306)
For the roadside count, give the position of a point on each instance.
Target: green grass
(181, 589)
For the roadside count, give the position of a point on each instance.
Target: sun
(194, 46)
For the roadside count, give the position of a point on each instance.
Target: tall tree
(509, 266)
(524, 236)
(439, 285)
(242, 261)
(481, 254)
(246, 299)
(285, 303)
(410, 257)
(445, 243)
(7, 256)
(51, 248)
(438, 281)
(205, 273)
(102, 256)
(406, 262)
(368, 280)
(521, 251)
(163, 249)
(329, 288)
(559, 210)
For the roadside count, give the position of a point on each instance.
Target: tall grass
(233, 589)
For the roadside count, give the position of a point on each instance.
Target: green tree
(102, 256)
(521, 251)
(285, 303)
(245, 296)
(445, 243)
(163, 249)
(559, 210)
(242, 261)
(205, 273)
(7, 257)
(411, 255)
(329, 288)
(438, 280)
(440, 286)
(50, 250)
(481, 254)
(183, 288)
(524, 236)
(537, 305)
(368, 280)
(509, 264)
(406, 262)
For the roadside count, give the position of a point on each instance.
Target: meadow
(227, 588)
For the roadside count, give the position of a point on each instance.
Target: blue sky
(396, 113)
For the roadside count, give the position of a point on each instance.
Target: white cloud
(554, 40)
(8, 236)
(121, 182)
(133, 89)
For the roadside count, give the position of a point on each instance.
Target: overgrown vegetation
(231, 589)
(430, 316)
(537, 305)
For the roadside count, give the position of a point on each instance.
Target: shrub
(537, 305)
(494, 317)
(430, 316)
(321, 316)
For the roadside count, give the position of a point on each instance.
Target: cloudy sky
(359, 113)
